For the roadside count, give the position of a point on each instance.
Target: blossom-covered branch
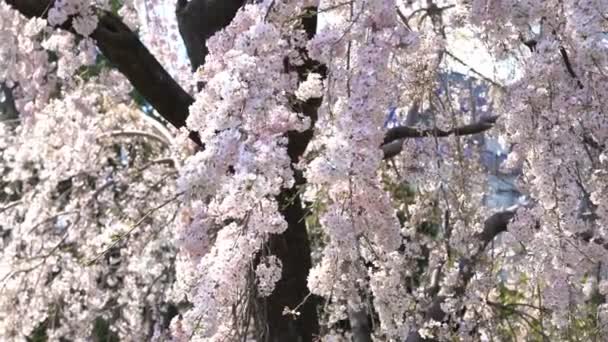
(494, 225)
(122, 47)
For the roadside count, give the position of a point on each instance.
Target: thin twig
(485, 78)
(135, 226)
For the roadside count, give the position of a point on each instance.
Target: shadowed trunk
(293, 246)
(198, 20)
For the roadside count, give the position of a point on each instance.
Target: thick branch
(403, 132)
(198, 20)
(591, 141)
(31, 8)
(588, 237)
(393, 139)
(493, 226)
(125, 51)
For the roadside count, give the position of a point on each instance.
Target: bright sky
(468, 48)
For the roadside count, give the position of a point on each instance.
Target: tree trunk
(293, 246)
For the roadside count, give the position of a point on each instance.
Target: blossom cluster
(555, 120)
(229, 189)
(75, 251)
(83, 19)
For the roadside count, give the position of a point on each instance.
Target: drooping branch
(493, 226)
(532, 43)
(122, 47)
(393, 139)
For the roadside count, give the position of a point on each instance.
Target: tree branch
(125, 51)
(493, 226)
(198, 20)
(589, 237)
(8, 110)
(403, 132)
(569, 67)
(360, 327)
(393, 140)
